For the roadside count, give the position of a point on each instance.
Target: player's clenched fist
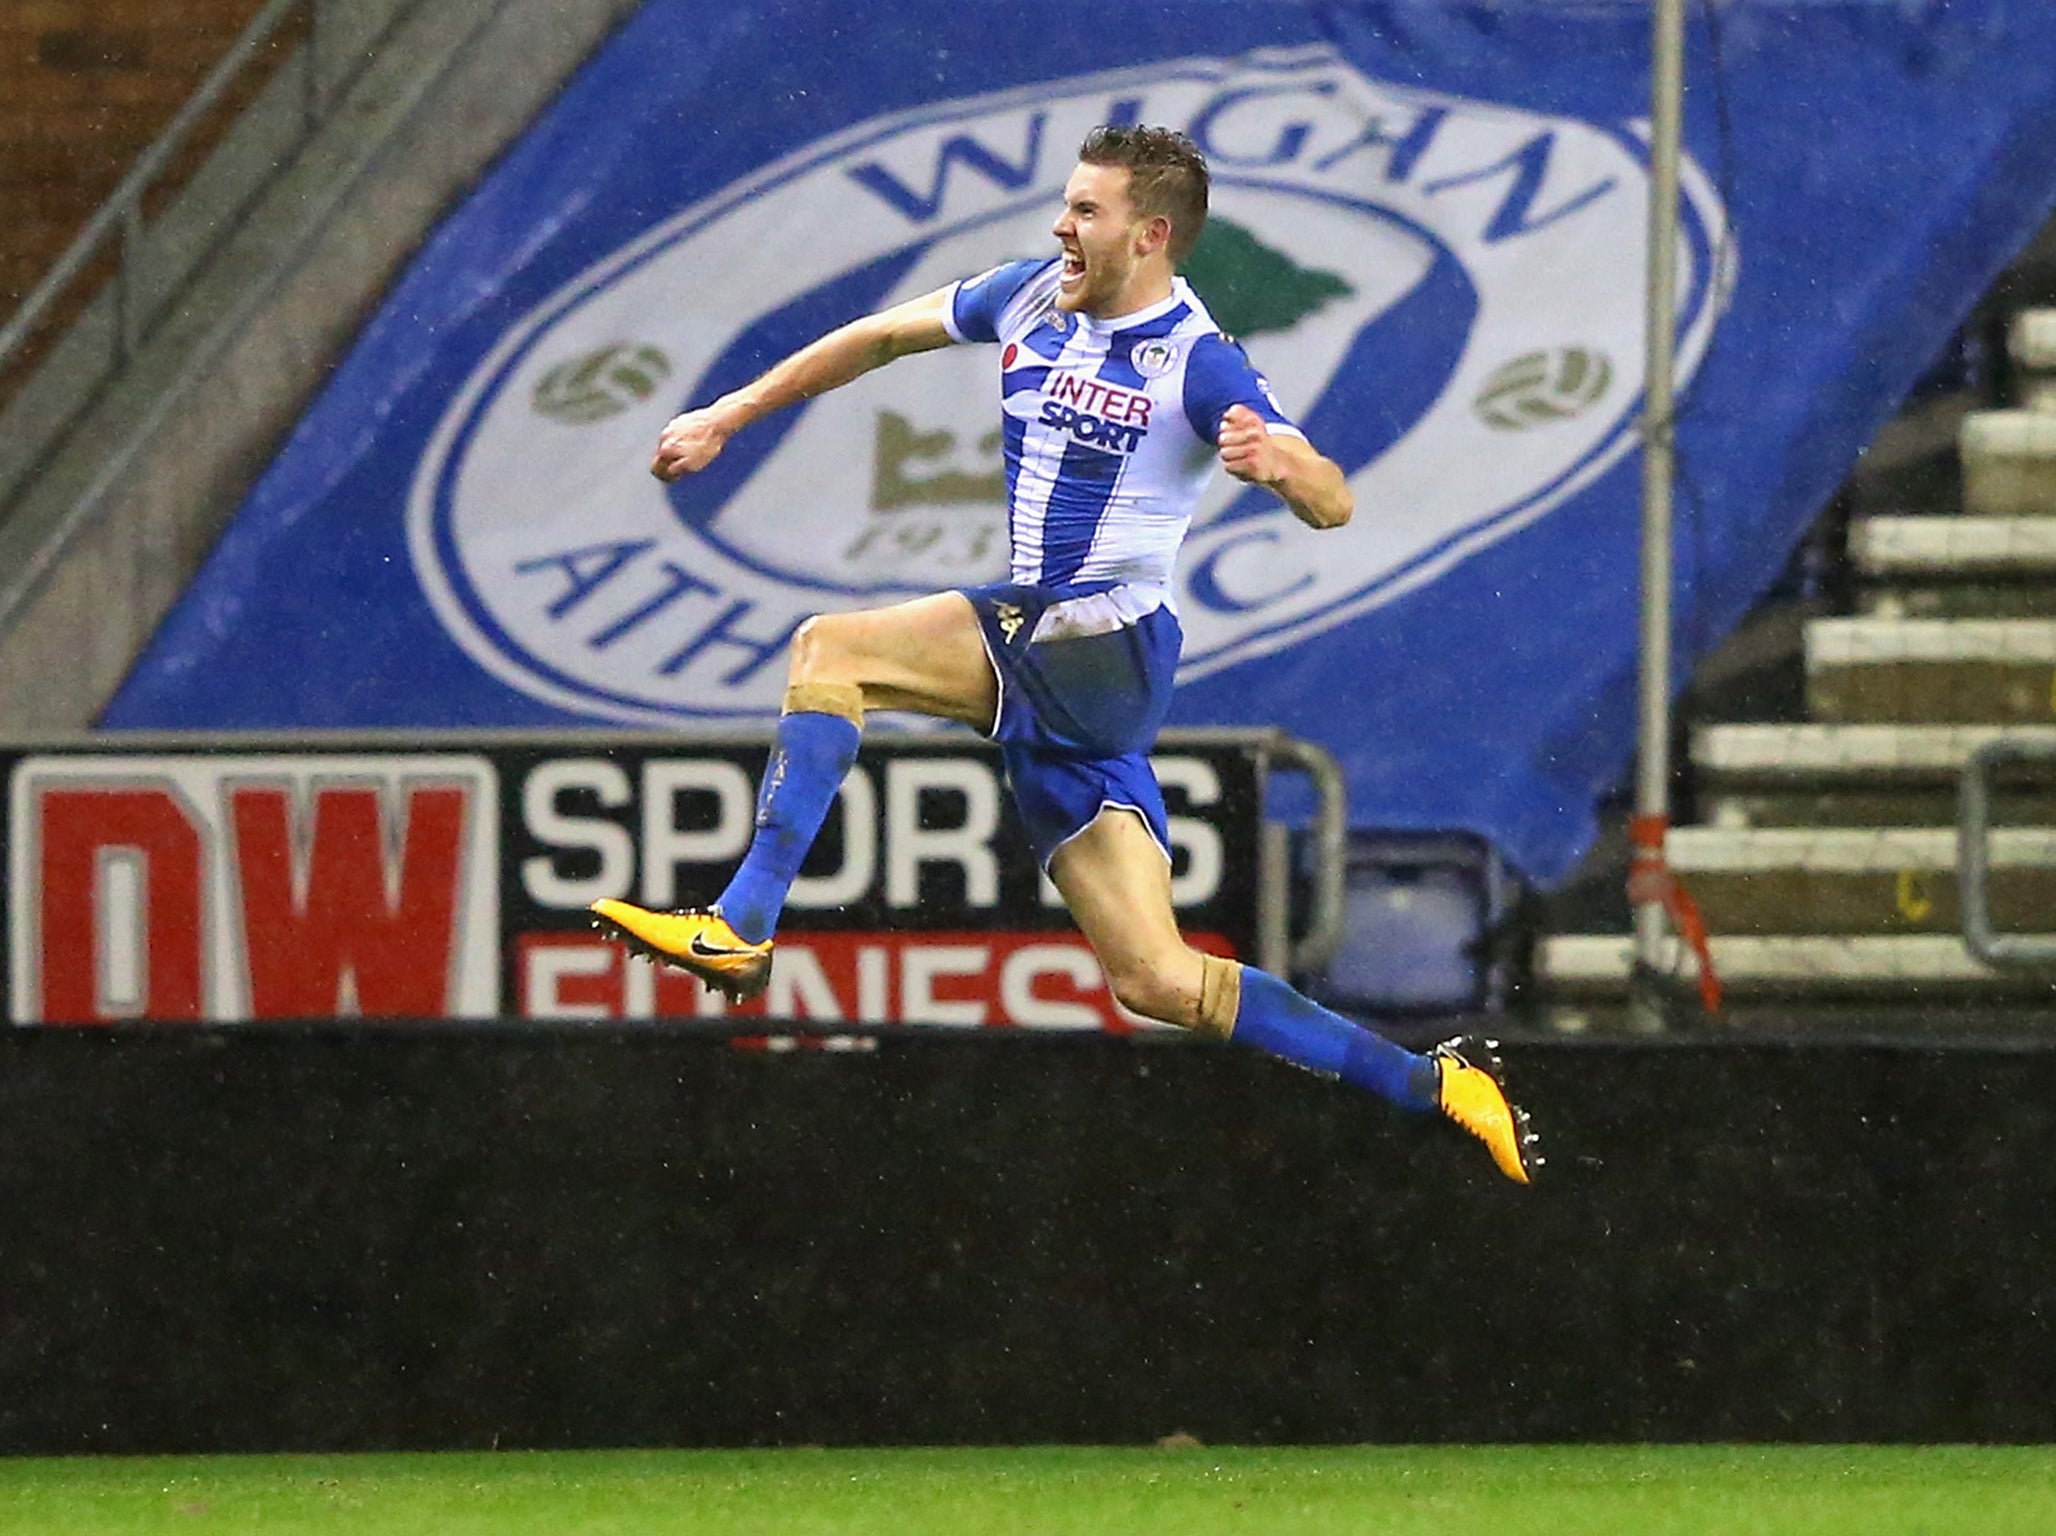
(1247, 451)
(689, 443)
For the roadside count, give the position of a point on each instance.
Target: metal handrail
(1330, 834)
(123, 210)
(1973, 857)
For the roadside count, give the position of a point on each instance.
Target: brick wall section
(85, 86)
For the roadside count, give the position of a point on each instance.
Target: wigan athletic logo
(1445, 293)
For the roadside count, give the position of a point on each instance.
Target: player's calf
(1270, 1016)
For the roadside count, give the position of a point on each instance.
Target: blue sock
(1274, 1018)
(813, 753)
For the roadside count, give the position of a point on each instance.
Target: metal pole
(1652, 779)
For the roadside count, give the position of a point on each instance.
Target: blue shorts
(1079, 706)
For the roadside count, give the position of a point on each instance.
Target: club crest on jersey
(1154, 359)
(1409, 270)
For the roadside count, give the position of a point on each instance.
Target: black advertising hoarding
(920, 903)
(233, 879)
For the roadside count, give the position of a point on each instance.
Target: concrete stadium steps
(1955, 567)
(1859, 880)
(1935, 970)
(1964, 547)
(2031, 339)
(2009, 462)
(1938, 671)
(1857, 775)
(1824, 853)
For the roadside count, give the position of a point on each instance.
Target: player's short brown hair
(1166, 175)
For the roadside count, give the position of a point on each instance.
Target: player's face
(1100, 232)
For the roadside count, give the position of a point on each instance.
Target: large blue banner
(1429, 229)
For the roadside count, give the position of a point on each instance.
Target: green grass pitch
(1051, 1491)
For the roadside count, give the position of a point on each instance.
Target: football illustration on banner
(1390, 300)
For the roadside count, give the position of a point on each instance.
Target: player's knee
(1191, 990)
(1144, 989)
(816, 645)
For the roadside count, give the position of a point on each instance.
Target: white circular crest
(1154, 359)
(1404, 251)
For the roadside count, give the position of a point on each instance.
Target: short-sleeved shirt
(1110, 432)
(1110, 426)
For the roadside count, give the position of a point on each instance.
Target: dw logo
(1446, 293)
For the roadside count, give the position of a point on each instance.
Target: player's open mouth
(1073, 270)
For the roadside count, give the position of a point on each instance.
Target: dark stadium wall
(87, 85)
(294, 1239)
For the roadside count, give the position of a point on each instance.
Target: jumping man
(1117, 392)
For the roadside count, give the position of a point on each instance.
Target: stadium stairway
(1824, 854)
(141, 429)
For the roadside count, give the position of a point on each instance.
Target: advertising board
(211, 880)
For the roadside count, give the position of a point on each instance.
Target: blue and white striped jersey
(1110, 425)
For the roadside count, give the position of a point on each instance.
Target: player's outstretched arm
(692, 441)
(1308, 482)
